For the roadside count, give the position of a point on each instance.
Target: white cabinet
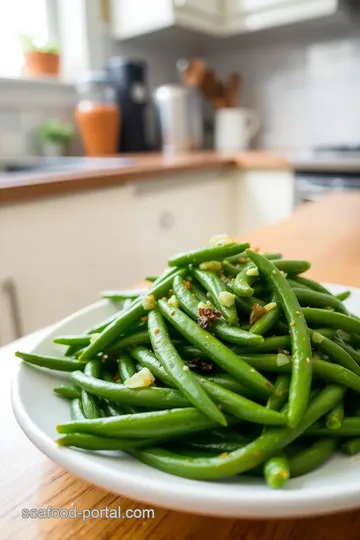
(179, 213)
(59, 253)
(263, 198)
(130, 18)
(248, 15)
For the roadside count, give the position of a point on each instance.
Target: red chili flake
(187, 284)
(199, 365)
(256, 453)
(256, 312)
(223, 455)
(268, 384)
(206, 316)
(144, 319)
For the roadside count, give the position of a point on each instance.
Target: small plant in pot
(54, 138)
(40, 61)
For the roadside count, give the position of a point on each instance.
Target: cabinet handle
(166, 221)
(9, 288)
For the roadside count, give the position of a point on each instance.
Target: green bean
(138, 338)
(311, 284)
(165, 398)
(90, 404)
(67, 391)
(216, 287)
(116, 296)
(335, 417)
(351, 446)
(92, 442)
(180, 373)
(295, 285)
(270, 344)
(343, 296)
(149, 360)
(189, 351)
(160, 424)
(112, 409)
(332, 319)
(291, 267)
(243, 281)
(267, 321)
(206, 254)
(127, 369)
(76, 411)
(100, 327)
(228, 382)
(73, 340)
(241, 407)
(280, 394)
(326, 370)
(151, 278)
(230, 269)
(309, 459)
(220, 328)
(308, 298)
(216, 447)
(355, 355)
(247, 457)
(52, 362)
(276, 471)
(350, 427)
(300, 340)
(125, 319)
(215, 350)
(337, 353)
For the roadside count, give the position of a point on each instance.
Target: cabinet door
(180, 213)
(135, 17)
(61, 252)
(249, 15)
(206, 16)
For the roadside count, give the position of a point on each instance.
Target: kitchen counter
(325, 161)
(109, 172)
(327, 234)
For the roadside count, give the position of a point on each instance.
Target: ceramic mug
(234, 128)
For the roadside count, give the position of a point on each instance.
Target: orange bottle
(98, 116)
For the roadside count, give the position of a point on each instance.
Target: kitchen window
(35, 18)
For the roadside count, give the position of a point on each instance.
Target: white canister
(234, 128)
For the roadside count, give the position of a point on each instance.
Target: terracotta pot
(42, 63)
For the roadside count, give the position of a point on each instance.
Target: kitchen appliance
(234, 128)
(179, 112)
(129, 81)
(326, 169)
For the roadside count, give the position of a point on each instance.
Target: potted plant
(40, 61)
(54, 137)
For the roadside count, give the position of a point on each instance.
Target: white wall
(307, 90)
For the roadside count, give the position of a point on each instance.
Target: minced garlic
(142, 378)
(270, 306)
(214, 266)
(226, 299)
(149, 302)
(221, 240)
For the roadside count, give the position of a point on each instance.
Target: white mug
(234, 129)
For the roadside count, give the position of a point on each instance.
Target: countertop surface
(97, 173)
(327, 234)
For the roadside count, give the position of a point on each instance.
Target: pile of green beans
(230, 363)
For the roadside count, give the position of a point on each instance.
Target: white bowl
(333, 487)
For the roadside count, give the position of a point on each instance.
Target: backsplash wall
(306, 92)
(24, 106)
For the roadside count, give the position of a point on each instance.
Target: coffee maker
(128, 77)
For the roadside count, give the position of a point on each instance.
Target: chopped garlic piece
(94, 337)
(214, 266)
(253, 271)
(142, 378)
(284, 274)
(149, 302)
(221, 240)
(226, 299)
(317, 338)
(173, 301)
(204, 305)
(270, 306)
(282, 360)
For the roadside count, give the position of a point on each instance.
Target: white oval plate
(333, 487)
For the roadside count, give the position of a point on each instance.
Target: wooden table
(328, 234)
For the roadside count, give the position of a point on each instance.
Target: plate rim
(195, 498)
